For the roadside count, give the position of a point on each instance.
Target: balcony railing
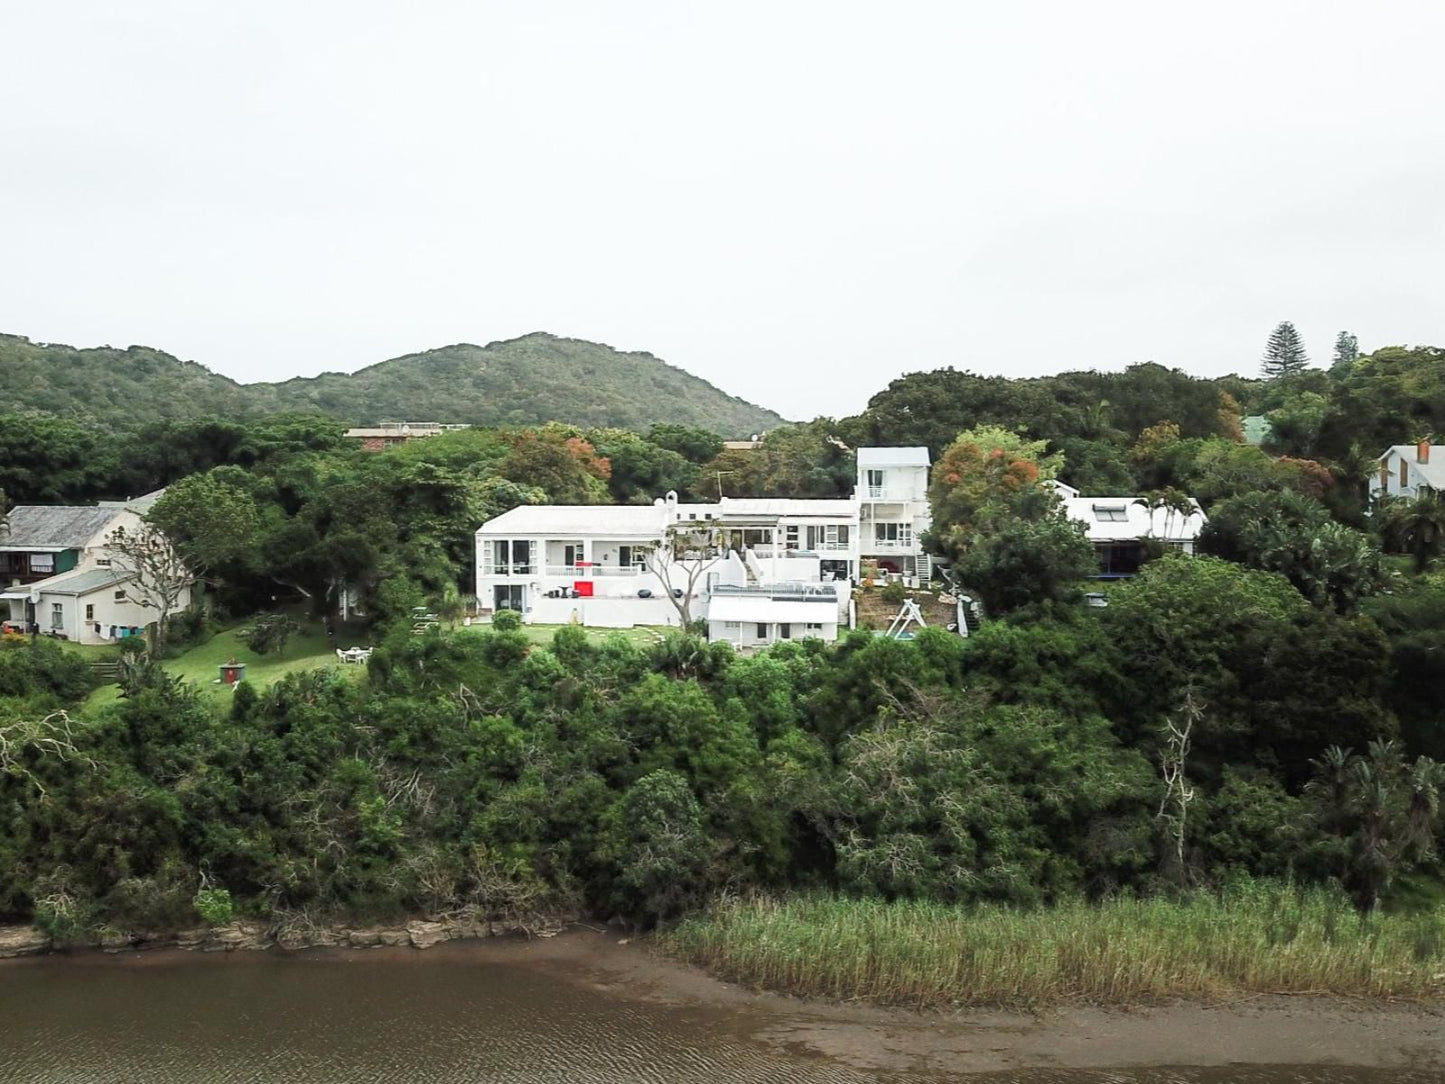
(588, 572)
(894, 546)
(888, 493)
(783, 592)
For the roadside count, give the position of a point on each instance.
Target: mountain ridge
(526, 380)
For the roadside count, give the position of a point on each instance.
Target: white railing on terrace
(890, 547)
(587, 572)
(888, 493)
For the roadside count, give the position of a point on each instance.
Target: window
(785, 630)
(102, 562)
(814, 626)
(57, 616)
(1404, 473)
(893, 534)
(762, 631)
(1385, 476)
(42, 562)
(732, 626)
(1111, 513)
(571, 554)
(90, 611)
(120, 596)
(875, 483)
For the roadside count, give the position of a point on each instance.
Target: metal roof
(893, 457)
(96, 579)
(66, 527)
(589, 520)
(761, 609)
(1433, 472)
(1118, 519)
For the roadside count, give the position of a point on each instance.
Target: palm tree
(1414, 527)
(1382, 812)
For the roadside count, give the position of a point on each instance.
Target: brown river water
(475, 1015)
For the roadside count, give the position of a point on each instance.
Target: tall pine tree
(1347, 349)
(1284, 354)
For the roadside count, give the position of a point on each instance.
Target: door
(762, 631)
(785, 631)
(509, 597)
(624, 556)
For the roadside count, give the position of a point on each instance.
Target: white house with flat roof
(758, 569)
(892, 499)
(596, 564)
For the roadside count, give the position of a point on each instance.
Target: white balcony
(894, 548)
(590, 572)
(899, 494)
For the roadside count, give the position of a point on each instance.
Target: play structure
(909, 617)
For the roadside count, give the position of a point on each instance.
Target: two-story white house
(1406, 470)
(892, 499)
(594, 563)
(58, 577)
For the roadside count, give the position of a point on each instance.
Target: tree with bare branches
(687, 552)
(1179, 792)
(52, 737)
(160, 579)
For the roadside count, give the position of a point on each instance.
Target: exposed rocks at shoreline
(251, 936)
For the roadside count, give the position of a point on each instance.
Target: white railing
(890, 547)
(888, 493)
(509, 570)
(588, 572)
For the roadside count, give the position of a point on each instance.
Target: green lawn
(542, 634)
(307, 650)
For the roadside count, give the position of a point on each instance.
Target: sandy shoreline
(1262, 1030)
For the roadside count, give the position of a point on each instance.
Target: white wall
(107, 610)
(746, 634)
(603, 613)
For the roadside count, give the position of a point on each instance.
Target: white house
(761, 570)
(58, 577)
(754, 616)
(1406, 470)
(591, 563)
(892, 499)
(1119, 527)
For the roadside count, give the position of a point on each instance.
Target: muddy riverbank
(584, 971)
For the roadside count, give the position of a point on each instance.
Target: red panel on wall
(583, 588)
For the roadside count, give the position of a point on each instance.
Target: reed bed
(1251, 939)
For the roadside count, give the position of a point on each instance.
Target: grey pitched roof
(1433, 472)
(86, 582)
(34, 526)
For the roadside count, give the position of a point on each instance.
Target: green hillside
(533, 379)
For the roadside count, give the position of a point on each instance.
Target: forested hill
(530, 380)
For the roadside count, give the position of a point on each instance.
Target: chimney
(1422, 451)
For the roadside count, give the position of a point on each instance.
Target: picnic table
(353, 654)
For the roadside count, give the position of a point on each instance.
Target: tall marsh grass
(1248, 939)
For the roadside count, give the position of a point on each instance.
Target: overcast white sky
(796, 201)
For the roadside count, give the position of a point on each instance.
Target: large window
(57, 616)
(875, 483)
(512, 556)
(1111, 513)
(898, 535)
(832, 536)
(42, 562)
